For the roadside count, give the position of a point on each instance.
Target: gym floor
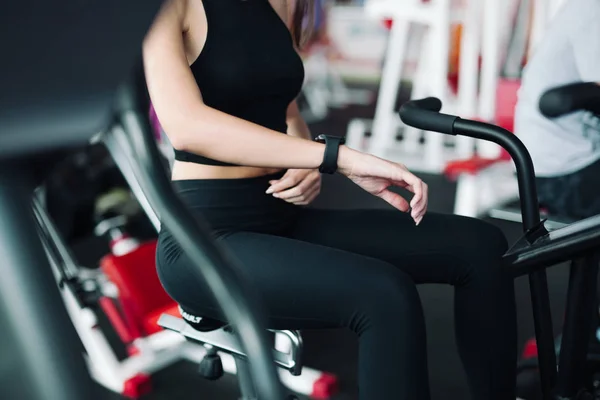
(335, 351)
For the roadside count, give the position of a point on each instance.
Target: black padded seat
(201, 324)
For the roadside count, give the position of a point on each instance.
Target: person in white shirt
(565, 150)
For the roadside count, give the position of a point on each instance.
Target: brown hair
(303, 20)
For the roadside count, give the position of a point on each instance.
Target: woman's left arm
(297, 186)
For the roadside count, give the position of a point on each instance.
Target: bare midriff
(186, 171)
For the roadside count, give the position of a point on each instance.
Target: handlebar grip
(569, 98)
(424, 114)
(428, 103)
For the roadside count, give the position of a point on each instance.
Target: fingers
(380, 174)
(302, 191)
(290, 179)
(395, 200)
(307, 197)
(423, 205)
(297, 186)
(286, 182)
(418, 203)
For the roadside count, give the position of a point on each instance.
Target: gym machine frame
(165, 347)
(25, 258)
(537, 250)
(288, 352)
(48, 110)
(133, 132)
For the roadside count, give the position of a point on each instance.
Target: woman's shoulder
(176, 8)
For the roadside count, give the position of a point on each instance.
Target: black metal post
(30, 303)
(525, 172)
(538, 282)
(581, 302)
(544, 336)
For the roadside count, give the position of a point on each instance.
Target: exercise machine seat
(151, 320)
(142, 298)
(201, 324)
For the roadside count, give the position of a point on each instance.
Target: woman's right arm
(191, 125)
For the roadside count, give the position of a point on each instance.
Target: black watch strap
(332, 148)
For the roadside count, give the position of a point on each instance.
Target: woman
(223, 76)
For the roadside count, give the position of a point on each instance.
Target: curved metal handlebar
(424, 114)
(239, 304)
(565, 99)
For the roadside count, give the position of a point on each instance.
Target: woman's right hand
(376, 176)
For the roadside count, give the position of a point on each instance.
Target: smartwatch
(332, 148)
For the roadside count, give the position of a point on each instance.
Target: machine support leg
(245, 380)
(581, 303)
(542, 319)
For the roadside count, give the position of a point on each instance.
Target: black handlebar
(563, 100)
(424, 114)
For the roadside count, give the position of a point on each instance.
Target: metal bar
(227, 342)
(542, 320)
(564, 244)
(30, 302)
(244, 379)
(538, 284)
(240, 305)
(55, 241)
(581, 302)
(122, 155)
(514, 215)
(520, 156)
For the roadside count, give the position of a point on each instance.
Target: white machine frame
(485, 27)
(155, 352)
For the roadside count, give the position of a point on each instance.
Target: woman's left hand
(297, 186)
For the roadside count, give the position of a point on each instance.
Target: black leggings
(358, 269)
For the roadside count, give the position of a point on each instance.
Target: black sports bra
(248, 67)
